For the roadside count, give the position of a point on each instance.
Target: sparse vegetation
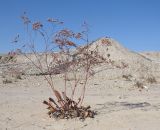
(10, 57)
(139, 85)
(6, 81)
(11, 75)
(127, 77)
(151, 80)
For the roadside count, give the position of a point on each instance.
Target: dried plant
(67, 108)
(11, 74)
(6, 81)
(9, 58)
(151, 79)
(139, 85)
(127, 77)
(62, 55)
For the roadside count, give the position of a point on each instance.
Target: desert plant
(10, 57)
(15, 72)
(139, 85)
(11, 74)
(151, 79)
(127, 77)
(63, 55)
(6, 81)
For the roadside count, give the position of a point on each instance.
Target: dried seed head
(51, 20)
(70, 43)
(78, 36)
(66, 33)
(59, 41)
(25, 19)
(37, 25)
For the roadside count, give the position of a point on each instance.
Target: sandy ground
(21, 107)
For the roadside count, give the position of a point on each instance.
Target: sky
(133, 23)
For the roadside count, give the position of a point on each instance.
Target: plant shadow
(118, 106)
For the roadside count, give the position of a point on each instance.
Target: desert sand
(112, 92)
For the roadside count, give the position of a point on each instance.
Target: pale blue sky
(134, 23)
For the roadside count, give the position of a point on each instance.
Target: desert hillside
(152, 55)
(124, 92)
(125, 62)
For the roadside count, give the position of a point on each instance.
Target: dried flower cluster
(37, 25)
(64, 38)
